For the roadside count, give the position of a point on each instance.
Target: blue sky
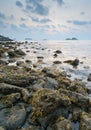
(45, 19)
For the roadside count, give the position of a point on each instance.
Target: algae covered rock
(8, 100)
(9, 89)
(76, 98)
(12, 118)
(62, 124)
(85, 123)
(15, 76)
(46, 101)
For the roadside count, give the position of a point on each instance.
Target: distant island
(28, 38)
(3, 38)
(73, 38)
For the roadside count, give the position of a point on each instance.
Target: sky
(45, 19)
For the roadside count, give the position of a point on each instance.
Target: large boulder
(12, 118)
(45, 102)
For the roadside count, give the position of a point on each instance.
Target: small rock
(58, 51)
(89, 77)
(18, 63)
(20, 52)
(76, 62)
(57, 62)
(51, 83)
(40, 57)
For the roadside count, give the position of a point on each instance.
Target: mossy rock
(62, 124)
(15, 76)
(85, 123)
(46, 101)
(8, 100)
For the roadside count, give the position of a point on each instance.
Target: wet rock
(78, 87)
(2, 50)
(76, 62)
(12, 54)
(72, 62)
(31, 127)
(57, 62)
(85, 123)
(38, 85)
(45, 102)
(77, 99)
(89, 77)
(28, 61)
(63, 81)
(49, 72)
(4, 55)
(76, 114)
(10, 99)
(62, 124)
(20, 52)
(51, 83)
(58, 51)
(12, 118)
(16, 76)
(8, 89)
(18, 63)
(55, 55)
(11, 60)
(3, 62)
(16, 53)
(40, 57)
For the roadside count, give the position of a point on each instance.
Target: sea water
(71, 49)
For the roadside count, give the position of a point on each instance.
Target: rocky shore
(40, 99)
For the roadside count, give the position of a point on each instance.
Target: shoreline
(36, 96)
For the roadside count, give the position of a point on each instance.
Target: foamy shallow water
(70, 50)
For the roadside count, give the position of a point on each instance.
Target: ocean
(71, 49)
